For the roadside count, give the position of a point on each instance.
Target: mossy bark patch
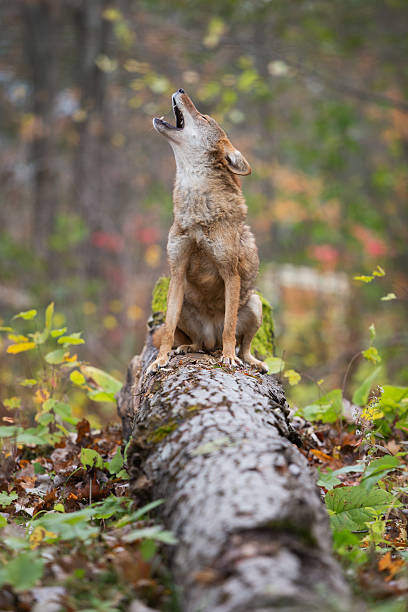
(262, 344)
(159, 296)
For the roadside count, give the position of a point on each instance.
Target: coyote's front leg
(174, 304)
(232, 291)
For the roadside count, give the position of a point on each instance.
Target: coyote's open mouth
(178, 115)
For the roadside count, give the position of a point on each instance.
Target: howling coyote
(212, 253)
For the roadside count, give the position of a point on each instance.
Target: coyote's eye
(205, 118)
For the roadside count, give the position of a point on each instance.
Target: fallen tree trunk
(252, 531)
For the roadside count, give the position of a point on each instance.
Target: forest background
(314, 93)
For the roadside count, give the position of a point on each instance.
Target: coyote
(211, 251)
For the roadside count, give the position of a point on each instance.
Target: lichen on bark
(262, 344)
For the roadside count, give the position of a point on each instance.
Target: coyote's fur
(212, 253)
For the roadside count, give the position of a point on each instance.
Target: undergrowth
(70, 533)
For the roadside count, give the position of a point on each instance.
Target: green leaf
(12, 403)
(108, 383)
(49, 314)
(29, 382)
(371, 354)
(148, 549)
(38, 468)
(275, 365)
(153, 533)
(360, 395)
(6, 329)
(72, 339)
(44, 418)
(3, 521)
(115, 465)
(39, 337)
(393, 398)
(123, 475)
(26, 315)
(135, 516)
(378, 469)
(58, 332)
(372, 331)
(49, 404)
(24, 571)
(329, 479)
(31, 437)
(65, 412)
(352, 507)
(101, 396)
(91, 458)
(68, 526)
(55, 357)
(327, 409)
(111, 506)
(77, 378)
(7, 431)
(7, 498)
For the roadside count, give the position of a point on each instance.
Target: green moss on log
(159, 297)
(262, 344)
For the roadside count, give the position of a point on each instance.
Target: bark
(218, 445)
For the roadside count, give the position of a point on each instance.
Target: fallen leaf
(392, 565)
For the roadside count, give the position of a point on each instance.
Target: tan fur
(212, 253)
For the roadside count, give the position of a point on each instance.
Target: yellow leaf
(363, 278)
(152, 255)
(379, 271)
(112, 14)
(371, 354)
(17, 338)
(41, 395)
(19, 348)
(77, 378)
(135, 313)
(110, 322)
(371, 413)
(292, 376)
(38, 536)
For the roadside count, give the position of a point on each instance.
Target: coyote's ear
(236, 162)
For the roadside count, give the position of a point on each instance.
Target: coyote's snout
(212, 253)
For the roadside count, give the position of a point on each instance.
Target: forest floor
(71, 537)
(73, 540)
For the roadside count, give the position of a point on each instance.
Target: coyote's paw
(160, 362)
(231, 361)
(256, 363)
(187, 348)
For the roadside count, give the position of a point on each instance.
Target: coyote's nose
(181, 90)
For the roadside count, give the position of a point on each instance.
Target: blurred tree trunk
(42, 35)
(91, 189)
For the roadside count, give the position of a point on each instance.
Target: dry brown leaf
(392, 565)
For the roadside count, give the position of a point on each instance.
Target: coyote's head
(197, 140)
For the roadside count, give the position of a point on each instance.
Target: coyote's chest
(196, 212)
